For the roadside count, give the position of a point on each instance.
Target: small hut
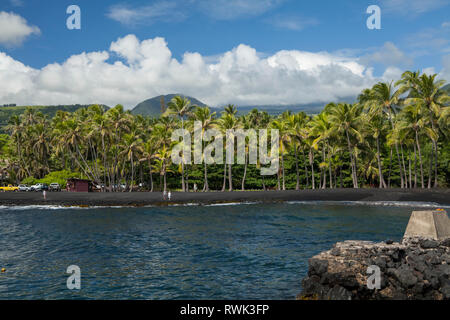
(79, 185)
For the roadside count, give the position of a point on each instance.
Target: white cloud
(159, 11)
(147, 68)
(430, 40)
(445, 24)
(292, 22)
(416, 7)
(388, 55)
(14, 29)
(445, 73)
(177, 10)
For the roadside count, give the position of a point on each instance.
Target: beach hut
(79, 185)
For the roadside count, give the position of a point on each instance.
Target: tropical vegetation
(395, 136)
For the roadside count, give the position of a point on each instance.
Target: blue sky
(415, 35)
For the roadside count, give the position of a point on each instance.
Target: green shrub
(60, 177)
(30, 181)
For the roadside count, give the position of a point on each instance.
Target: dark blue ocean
(248, 251)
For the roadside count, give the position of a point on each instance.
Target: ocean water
(247, 251)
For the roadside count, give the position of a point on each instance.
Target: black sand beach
(439, 196)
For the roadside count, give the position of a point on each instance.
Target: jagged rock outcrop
(417, 268)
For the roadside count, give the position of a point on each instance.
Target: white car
(24, 188)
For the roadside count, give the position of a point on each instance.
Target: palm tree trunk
(330, 168)
(297, 186)
(404, 167)
(245, 171)
(415, 166)
(205, 184)
(436, 165)
(165, 176)
(390, 170)
(151, 175)
(230, 178)
(409, 168)
(420, 159)
(187, 180)
(311, 163)
(183, 187)
(132, 173)
(224, 177)
(402, 184)
(324, 170)
(430, 170)
(278, 180)
(282, 171)
(306, 169)
(355, 181)
(380, 170)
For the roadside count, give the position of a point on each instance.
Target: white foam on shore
(409, 204)
(55, 207)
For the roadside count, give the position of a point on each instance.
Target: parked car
(9, 188)
(39, 187)
(24, 188)
(55, 187)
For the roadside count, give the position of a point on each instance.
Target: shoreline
(141, 199)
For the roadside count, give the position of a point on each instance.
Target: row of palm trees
(386, 131)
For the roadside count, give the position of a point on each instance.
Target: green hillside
(152, 107)
(446, 88)
(49, 111)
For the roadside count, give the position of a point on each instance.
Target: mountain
(152, 107)
(7, 111)
(446, 88)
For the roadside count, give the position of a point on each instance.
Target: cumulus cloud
(133, 70)
(408, 7)
(14, 29)
(387, 55)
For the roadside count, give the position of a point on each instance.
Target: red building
(79, 185)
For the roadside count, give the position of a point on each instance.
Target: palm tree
(322, 129)
(413, 119)
(131, 150)
(227, 124)
(427, 92)
(230, 109)
(207, 120)
(383, 98)
(246, 124)
(282, 126)
(181, 107)
(345, 119)
(161, 164)
(375, 127)
(296, 123)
